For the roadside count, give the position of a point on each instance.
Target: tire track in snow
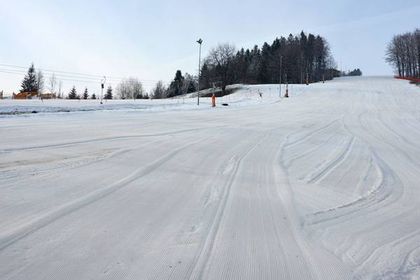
(304, 138)
(386, 141)
(313, 258)
(329, 165)
(14, 235)
(289, 162)
(103, 139)
(77, 162)
(405, 268)
(199, 265)
(349, 219)
(62, 165)
(388, 189)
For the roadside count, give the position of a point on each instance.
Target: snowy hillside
(323, 185)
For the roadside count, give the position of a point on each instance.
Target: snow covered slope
(323, 185)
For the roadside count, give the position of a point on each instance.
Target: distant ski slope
(323, 185)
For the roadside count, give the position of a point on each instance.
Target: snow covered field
(323, 185)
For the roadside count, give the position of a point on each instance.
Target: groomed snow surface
(323, 185)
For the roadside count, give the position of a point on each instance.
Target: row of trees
(130, 88)
(179, 85)
(34, 82)
(355, 72)
(73, 94)
(403, 53)
(295, 59)
(302, 58)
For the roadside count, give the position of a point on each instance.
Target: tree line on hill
(181, 84)
(403, 53)
(352, 73)
(303, 58)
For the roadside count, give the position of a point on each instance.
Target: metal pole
(307, 77)
(281, 64)
(199, 70)
(102, 87)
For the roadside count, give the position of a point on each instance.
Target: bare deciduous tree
(221, 58)
(52, 82)
(60, 89)
(40, 81)
(403, 53)
(130, 88)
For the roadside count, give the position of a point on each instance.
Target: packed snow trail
(323, 185)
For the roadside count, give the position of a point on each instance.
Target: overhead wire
(67, 75)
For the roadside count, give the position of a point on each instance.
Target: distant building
(25, 95)
(47, 96)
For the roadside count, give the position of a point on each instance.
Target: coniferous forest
(303, 58)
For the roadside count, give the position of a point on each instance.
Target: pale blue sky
(152, 39)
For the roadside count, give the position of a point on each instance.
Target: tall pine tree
(175, 88)
(72, 93)
(86, 94)
(108, 94)
(29, 83)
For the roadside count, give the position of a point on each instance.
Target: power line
(59, 77)
(68, 74)
(58, 71)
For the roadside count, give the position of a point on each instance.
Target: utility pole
(199, 70)
(307, 77)
(102, 87)
(281, 64)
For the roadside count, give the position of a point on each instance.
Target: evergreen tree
(355, 72)
(159, 91)
(205, 78)
(191, 87)
(86, 94)
(73, 93)
(93, 96)
(108, 94)
(29, 83)
(189, 84)
(264, 72)
(300, 57)
(175, 88)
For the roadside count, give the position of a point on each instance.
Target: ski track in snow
(323, 185)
